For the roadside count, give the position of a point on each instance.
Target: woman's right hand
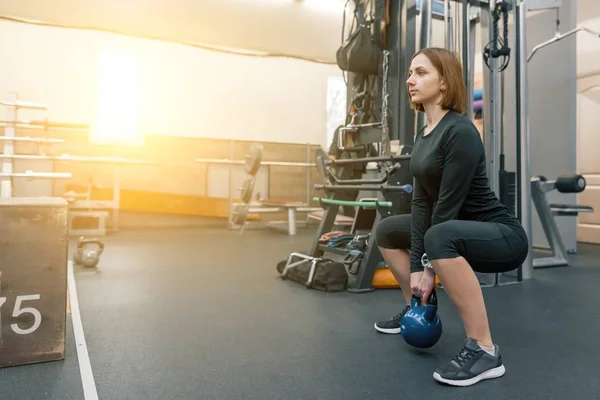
(415, 283)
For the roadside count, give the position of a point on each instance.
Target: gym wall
(192, 103)
(182, 90)
(588, 142)
(552, 112)
(588, 120)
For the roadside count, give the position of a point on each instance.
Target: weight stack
(401, 201)
(33, 280)
(508, 190)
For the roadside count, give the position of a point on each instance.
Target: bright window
(336, 105)
(117, 114)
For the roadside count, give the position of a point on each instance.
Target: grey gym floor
(202, 314)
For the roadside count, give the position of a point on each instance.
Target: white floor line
(85, 367)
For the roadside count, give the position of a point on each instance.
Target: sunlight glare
(117, 118)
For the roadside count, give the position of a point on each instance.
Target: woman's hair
(450, 70)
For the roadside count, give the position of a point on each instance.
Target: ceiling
(302, 28)
(308, 29)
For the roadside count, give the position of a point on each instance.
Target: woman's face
(424, 83)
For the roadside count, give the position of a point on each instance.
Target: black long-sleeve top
(448, 166)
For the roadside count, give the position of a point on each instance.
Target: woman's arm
(463, 151)
(420, 222)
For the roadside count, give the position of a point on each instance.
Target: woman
(457, 224)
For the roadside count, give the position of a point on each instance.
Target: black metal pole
(518, 101)
(375, 188)
(367, 160)
(466, 20)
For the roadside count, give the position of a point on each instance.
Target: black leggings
(488, 247)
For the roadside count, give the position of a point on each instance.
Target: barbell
(253, 161)
(25, 105)
(36, 175)
(45, 124)
(67, 157)
(30, 139)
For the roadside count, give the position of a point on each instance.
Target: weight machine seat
(341, 220)
(569, 209)
(281, 203)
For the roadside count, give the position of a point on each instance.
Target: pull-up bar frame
(559, 36)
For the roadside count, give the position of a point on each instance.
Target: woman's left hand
(426, 285)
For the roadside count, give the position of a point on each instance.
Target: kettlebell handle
(431, 306)
(432, 300)
(83, 241)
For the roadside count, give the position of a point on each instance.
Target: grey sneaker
(392, 325)
(471, 365)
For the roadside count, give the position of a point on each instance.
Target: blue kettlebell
(421, 326)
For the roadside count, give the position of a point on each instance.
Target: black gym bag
(359, 53)
(329, 276)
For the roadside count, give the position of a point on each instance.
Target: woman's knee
(441, 241)
(394, 232)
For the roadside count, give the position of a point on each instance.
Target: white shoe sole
(393, 331)
(489, 374)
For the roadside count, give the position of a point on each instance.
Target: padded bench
(278, 205)
(340, 220)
